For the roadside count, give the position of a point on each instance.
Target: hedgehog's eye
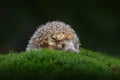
(63, 46)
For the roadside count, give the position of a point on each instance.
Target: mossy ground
(48, 64)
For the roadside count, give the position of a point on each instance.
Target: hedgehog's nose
(71, 48)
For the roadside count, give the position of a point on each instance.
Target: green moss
(48, 64)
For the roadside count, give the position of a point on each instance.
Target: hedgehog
(54, 35)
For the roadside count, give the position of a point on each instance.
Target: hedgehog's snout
(70, 47)
(73, 50)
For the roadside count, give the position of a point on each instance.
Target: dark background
(95, 21)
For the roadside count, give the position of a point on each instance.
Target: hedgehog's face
(68, 45)
(66, 41)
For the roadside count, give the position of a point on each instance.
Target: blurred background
(95, 21)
